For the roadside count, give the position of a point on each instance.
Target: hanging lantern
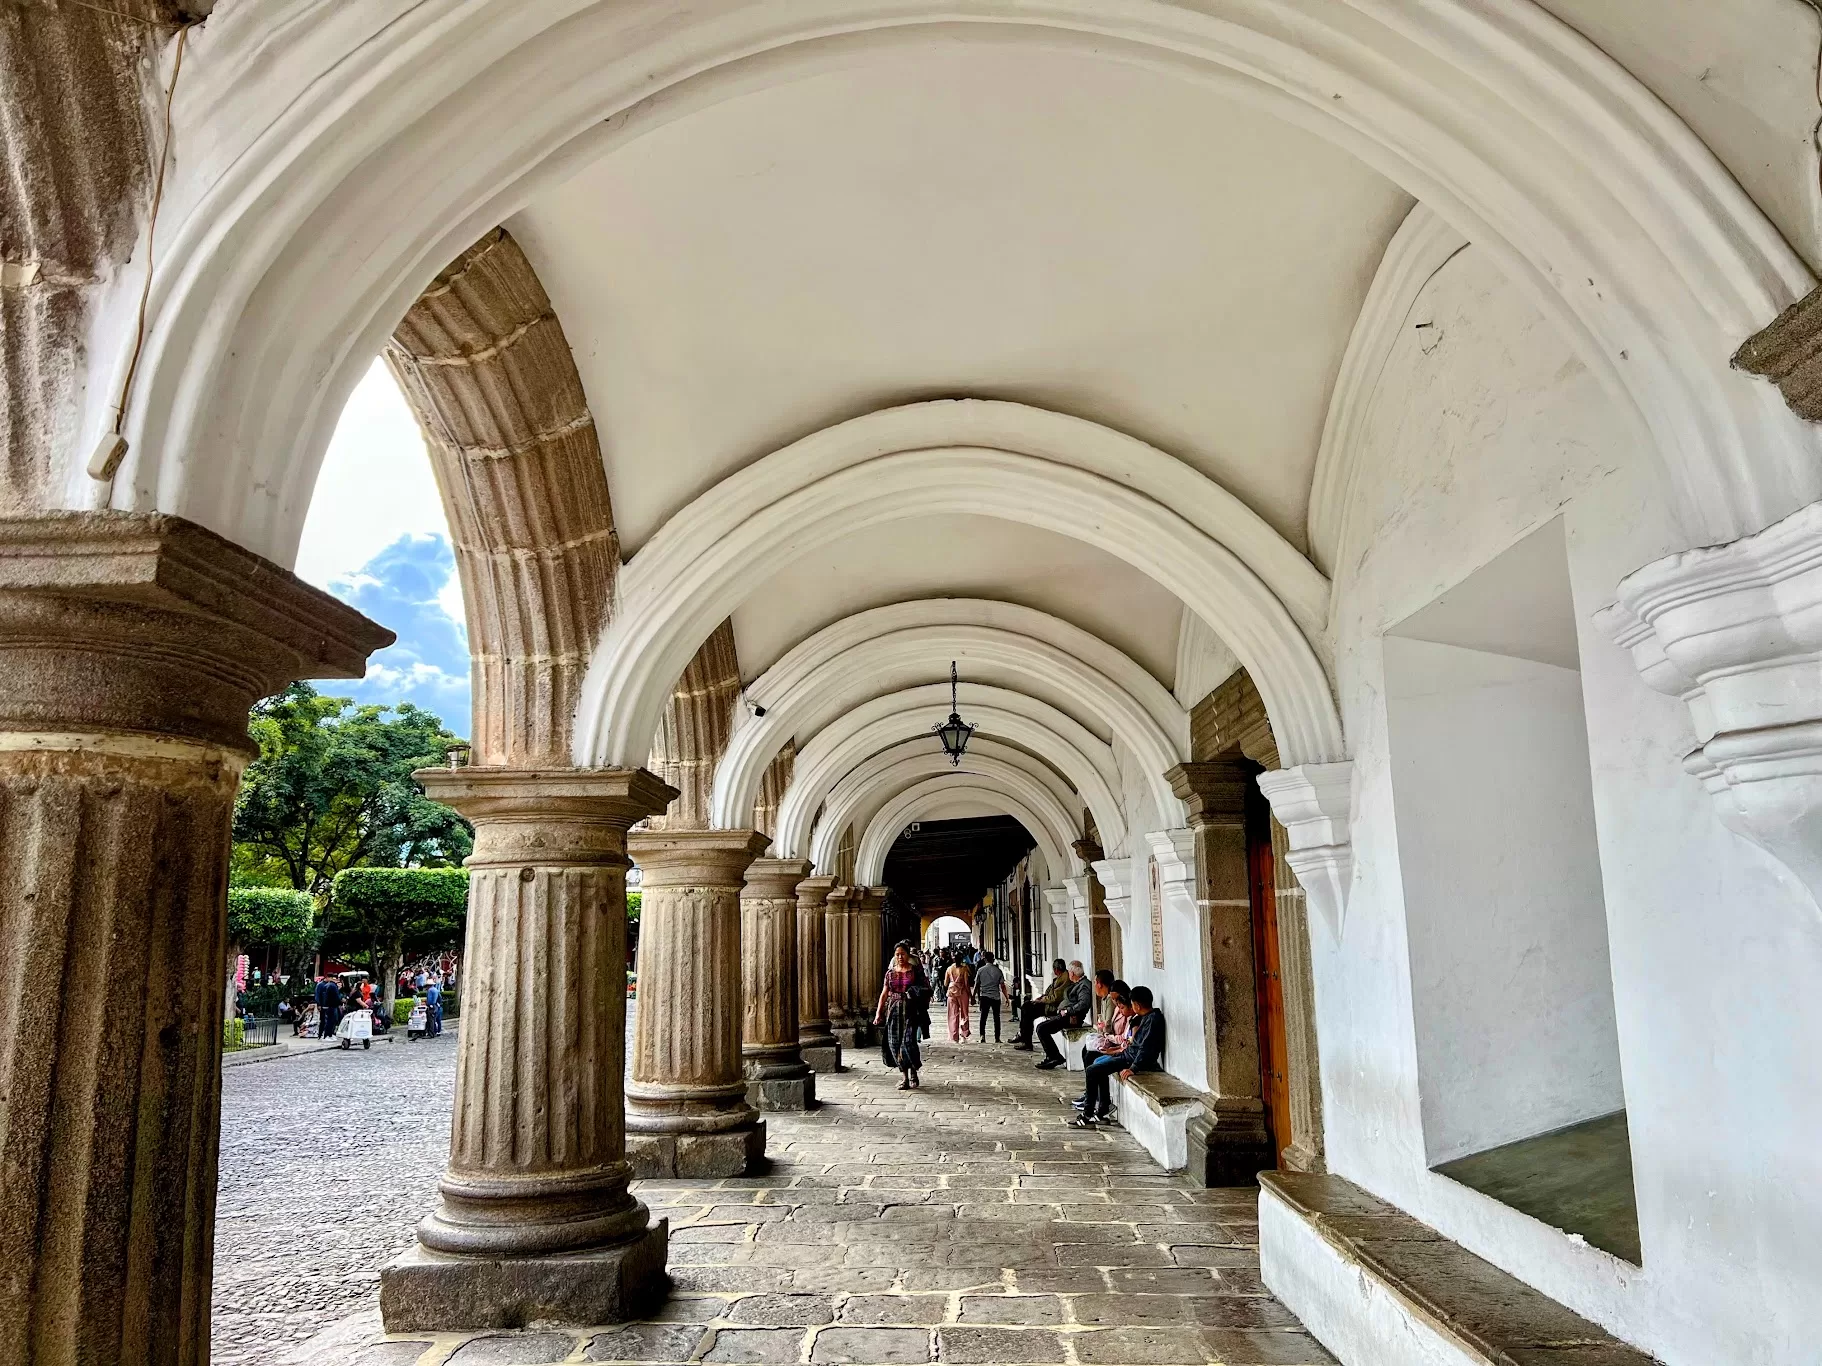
(955, 732)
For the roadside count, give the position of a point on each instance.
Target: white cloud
(375, 485)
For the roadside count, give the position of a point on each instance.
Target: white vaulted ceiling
(962, 218)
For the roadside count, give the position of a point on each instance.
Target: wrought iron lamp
(955, 732)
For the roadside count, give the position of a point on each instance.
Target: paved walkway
(962, 1223)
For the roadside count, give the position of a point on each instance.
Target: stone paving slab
(996, 1235)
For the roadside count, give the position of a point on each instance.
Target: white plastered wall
(1484, 427)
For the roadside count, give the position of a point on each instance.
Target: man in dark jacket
(1033, 1011)
(1145, 1053)
(328, 1007)
(1071, 1013)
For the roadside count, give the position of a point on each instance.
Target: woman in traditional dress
(960, 999)
(902, 1006)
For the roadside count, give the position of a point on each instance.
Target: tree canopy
(332, 789)
(277, 916)
(392, 912)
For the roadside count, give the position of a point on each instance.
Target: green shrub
(233, 1034)
(270, 915)
(401, 1009)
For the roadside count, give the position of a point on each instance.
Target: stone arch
(836, 667)
(895, 464)
(909, 805)
(900, 718)
(337, 182)
(487, 371)
(694, 731)
(1006, 769)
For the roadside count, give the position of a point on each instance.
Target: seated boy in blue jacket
(1144, 1053)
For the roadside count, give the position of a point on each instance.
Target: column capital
(1213, 790)
(814, 892)
(194, 628)
(1175, 853)
(695, 858)
(1735, 632)
(1314, 804)
(776, 878)
(548, 817)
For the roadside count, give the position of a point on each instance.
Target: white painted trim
(885, 775)
(1086, 762)
(334, 157)
(1421, 247)
(837, 668)
(890, 822)
(859, 474)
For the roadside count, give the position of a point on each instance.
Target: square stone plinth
(825, 1059)
(735, 1152)
(426, 1291)
(794, 1093)
(854, 1035)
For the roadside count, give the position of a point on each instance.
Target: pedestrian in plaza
(989, 991)
(903, 1001)
(1144, 1052)
(1033, 1011)
(1071, 1013)
(328, 1006)
(958, 999)
(433, 1008)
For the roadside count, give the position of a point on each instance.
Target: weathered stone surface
(813, 974)
(1789, 354)
(537, 1166)
(687, 1109)
(520, 1349)
(826, 1060)
(694, 731)
(674, 1342)
(777, 1076)
(487, 370)
(130, 649)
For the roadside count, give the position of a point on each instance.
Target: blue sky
(377, 539)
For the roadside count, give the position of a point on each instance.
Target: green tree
(273, 916)
(392, 911)
(332, 789)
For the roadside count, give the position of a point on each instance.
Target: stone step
(1405, 1271)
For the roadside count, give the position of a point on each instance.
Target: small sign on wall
(1076, 926)
(1157, 918)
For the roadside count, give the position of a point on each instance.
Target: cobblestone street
(963, 1223)
(328, 1160)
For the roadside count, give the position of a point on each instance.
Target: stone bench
(1374, 1284)
(1071, 1041)
(1156, 1109)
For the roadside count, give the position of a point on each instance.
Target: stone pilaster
(131, 646)
(839, 935)
(1230, 1144)
(535, 1222)
(816, 1043)
(686, 1105)
(869, 958)
(777, 1076)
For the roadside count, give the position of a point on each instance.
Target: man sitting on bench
(1072, 1013)
(1033, 1011)
(1145, 1053)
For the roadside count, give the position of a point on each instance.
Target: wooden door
(1261, 867)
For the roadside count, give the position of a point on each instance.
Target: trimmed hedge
(270, 915)
(233, 1034)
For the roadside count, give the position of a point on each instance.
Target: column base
(1229, 1144)
(783, 1093)
(424, 1291)
(859, 1034)
(731, 1152)
(824, 1058)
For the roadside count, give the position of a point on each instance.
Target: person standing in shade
(328, 1007)
(1033, 1011)
(1144, 1052)
(1072, 1013)
(956, 996)
(989, 990)
(903, 1005)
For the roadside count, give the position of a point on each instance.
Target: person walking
(957, 997)
(901, 1007)
(1144, 1052)
(1071, 1013)
(989, 991)
(1033, 1011)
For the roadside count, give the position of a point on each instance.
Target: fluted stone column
(867, 940)
(131, 646)
(535, 1222)
(686, 1107)
(839, 933)
(1229, 1145)
(777, 1076)
(816, 1042)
